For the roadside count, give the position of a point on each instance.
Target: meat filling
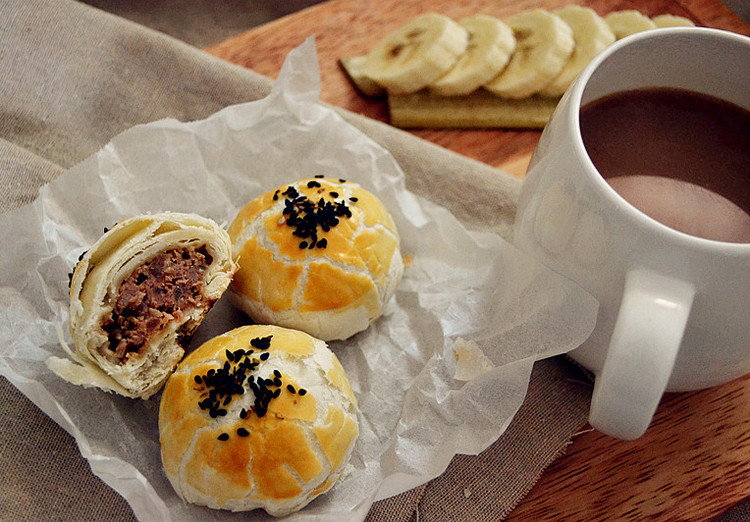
(157, 292)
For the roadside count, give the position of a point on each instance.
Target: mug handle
(642, 351)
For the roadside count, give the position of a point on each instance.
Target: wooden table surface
(694, 461)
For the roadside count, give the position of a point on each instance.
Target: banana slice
(491, 44)
(544, 45)
(591, 34)
(353, 67)
(416, 54)
(627, 22)
(668, 20)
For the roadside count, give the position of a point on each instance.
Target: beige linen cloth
(71, 78)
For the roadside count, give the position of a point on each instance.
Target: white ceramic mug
(674, 309)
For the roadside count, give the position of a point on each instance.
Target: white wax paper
(461, 286)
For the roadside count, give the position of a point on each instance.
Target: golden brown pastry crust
(230, 452)
(327, 268)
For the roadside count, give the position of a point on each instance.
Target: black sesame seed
(276, 393)
(302, 391)
(261, 343)
(306, 216)
(353, 199)
(334, 194)
(223, 436)
(222, 384)
(242, 432)
(319, 176)
(342, 180)
(312, 184)
(290, 388)
(322, 243)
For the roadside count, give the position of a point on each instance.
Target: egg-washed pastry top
(260, 417)
(320, 255)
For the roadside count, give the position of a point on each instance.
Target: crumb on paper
(467, 492)
(470, 360)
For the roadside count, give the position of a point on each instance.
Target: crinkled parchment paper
(462, 287)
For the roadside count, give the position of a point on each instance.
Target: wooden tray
(350, 27)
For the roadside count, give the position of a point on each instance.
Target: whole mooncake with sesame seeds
(319, 255)
(261, 417)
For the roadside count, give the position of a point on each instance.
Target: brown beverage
(681, 157)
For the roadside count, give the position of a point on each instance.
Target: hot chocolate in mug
(674, 306)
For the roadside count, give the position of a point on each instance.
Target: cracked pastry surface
(260, 417)
(320, 255)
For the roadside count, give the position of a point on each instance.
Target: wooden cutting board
(351, 27)
(694, 462)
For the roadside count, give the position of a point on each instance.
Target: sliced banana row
(535, 52)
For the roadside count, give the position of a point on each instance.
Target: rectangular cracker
(480, 109)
